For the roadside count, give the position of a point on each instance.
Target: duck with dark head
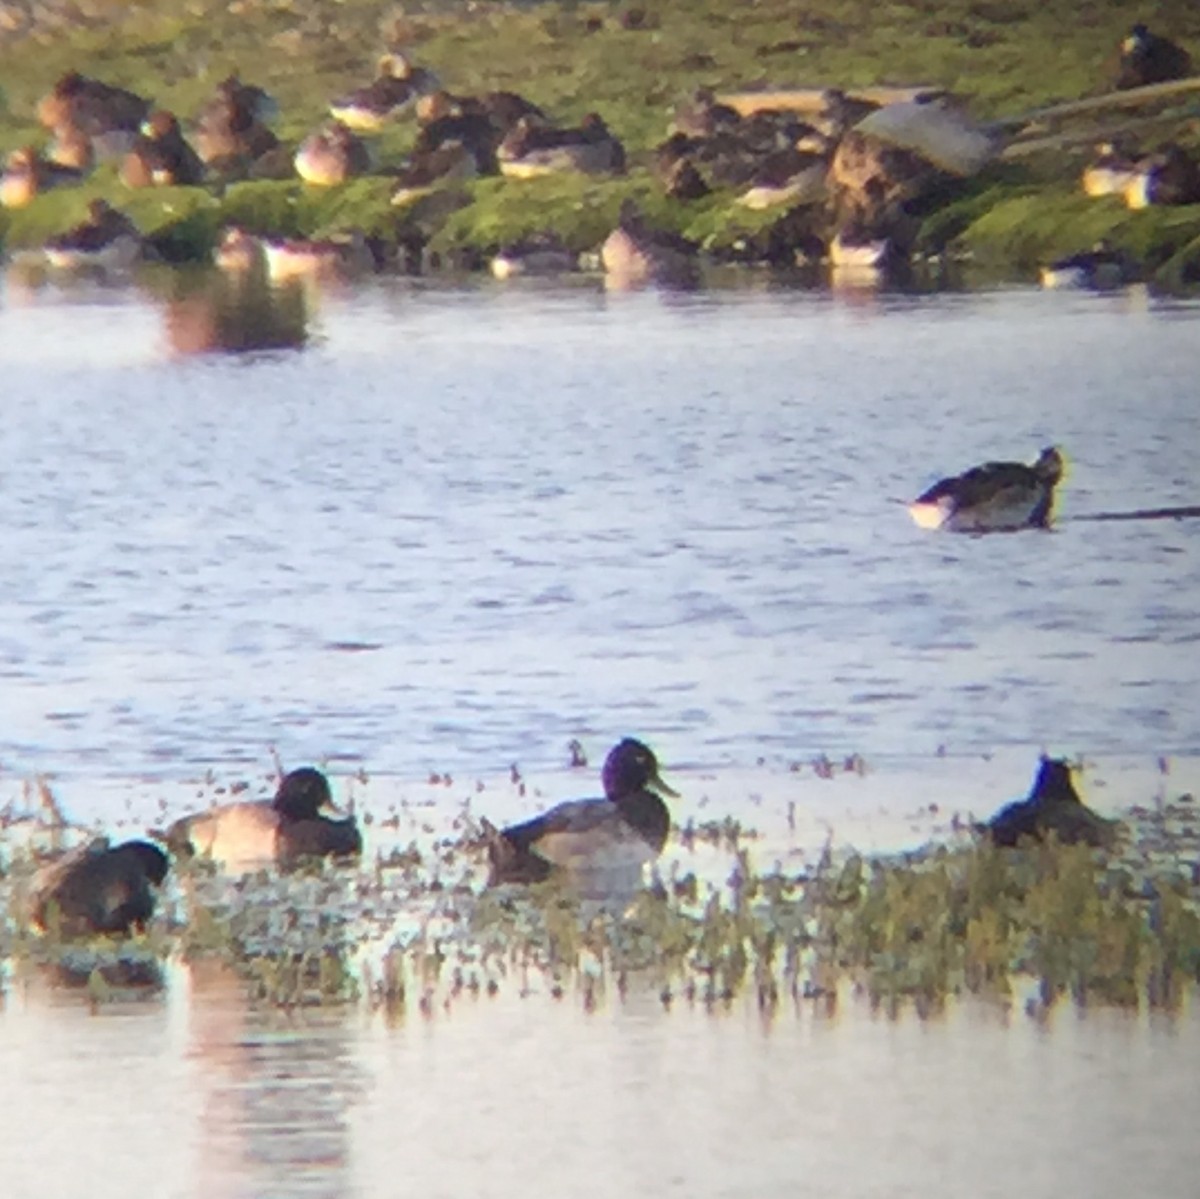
(1052, 808)
(616, 835)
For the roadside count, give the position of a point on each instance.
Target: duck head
(302, 794)
(632, 767)
(1054, 783)
(151, 860)
(1050, 464)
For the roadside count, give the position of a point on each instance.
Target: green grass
(1004, 58)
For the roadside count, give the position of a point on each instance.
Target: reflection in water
(227, 312)
(276, 1093)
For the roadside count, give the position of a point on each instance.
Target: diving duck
(26, 174)
(531, 149)
(331, 155)
(1147, 57)
(1099, 267)
(161, 157)
(109, 116)
(1052, 808)
(231, 129)
(395, 87)
(994, 497)
(253, 834)
(590, 838)
(107, 239)
(1169, 176)
(634, 255)
(98, 888)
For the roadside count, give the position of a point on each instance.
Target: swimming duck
(239, 252)
(107, 239)
(634, 255)
(161, 157)
(1110, 173)
(621, 832)
(1169, 176)
(1149, 58)
(26, 174)
(109, 116)
(316, 258)
(1053, 807)
(231, 129)
(994, 497)
(1101, 266)
(98, 888)
(331, 155)
(540, 254)
(250, 835)
(532, 149)
(394, 88)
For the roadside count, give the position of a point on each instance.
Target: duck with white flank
(332, 155)
(394, 88)
(1101, 266)
(601, 843)
(106, 240)
(994, 497)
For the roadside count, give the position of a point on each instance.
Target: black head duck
(994, 497)
(625, 830)
(1147, 58)
(1052, 808)
(99, 888)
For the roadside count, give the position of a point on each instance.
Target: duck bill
(655, 783)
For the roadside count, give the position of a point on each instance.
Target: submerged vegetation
(417, 929)
(632, 63)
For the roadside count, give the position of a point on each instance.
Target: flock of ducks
(852, 171)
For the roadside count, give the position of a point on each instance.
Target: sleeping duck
(994, 497)
(591, 839)
(161, 157)
(1053, 807)
(98, 888)
(254, 834)
(106, 240)
(395, 87)
(27, 174)
(331, 155)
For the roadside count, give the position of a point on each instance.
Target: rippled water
(462, 526)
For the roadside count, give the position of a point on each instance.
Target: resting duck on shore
(601, 840)
(1149, 58)
(1169, 176)
(531, 149)
(397, 84)
(994, 497)
(99, 889)
(284, 830)
(231, 129)
(1110, 173)
(331, 155)
(1101, 266)
(1053, 807)
(109, 116)
(27, 174)
(107, 240)
(786, 177)
(161, 157)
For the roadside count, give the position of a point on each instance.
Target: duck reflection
(277, 1091)
(229, 312)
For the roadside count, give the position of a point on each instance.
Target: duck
(994, 497)
(99, 888)
(618, 834)
(231, 129)
(331, 155)
(1052, 808)
(246, 836)
(1101, 266)
(1169, 176)
(161, 157)
(427, 168)
(238, 251)
(634, 255)
(1147, 58)
(316, 258)
(532, 149)
(786, 177)
(1110, 173)
(108, 115)
(26, 174)
(72, 148)
(106, 239)
(395, 87)
(540, 254)
(702, 115)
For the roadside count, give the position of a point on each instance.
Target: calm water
(463, 526)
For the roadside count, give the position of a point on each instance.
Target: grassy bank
(629, 61)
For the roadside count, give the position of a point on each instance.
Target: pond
(455, 527)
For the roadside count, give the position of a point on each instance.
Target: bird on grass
(1052, 808)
